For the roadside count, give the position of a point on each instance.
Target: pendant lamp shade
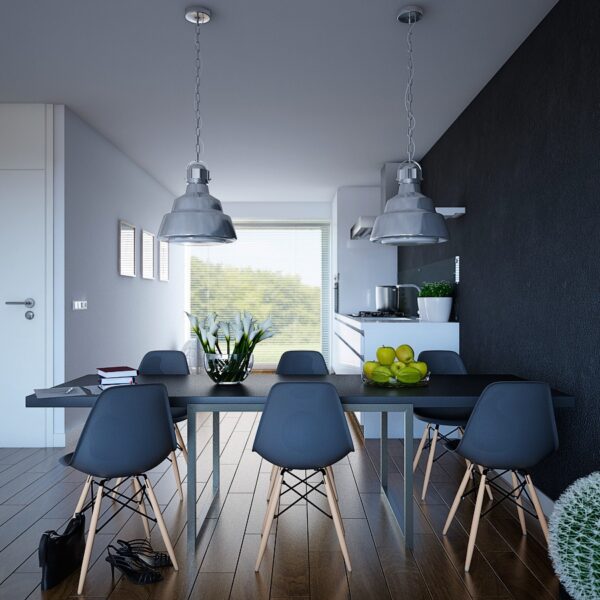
(409, 218)
(197, 217)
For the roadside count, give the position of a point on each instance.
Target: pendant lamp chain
(197, 96)
(408, 95)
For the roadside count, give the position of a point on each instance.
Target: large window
(277, 270)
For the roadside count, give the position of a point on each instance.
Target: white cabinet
(348, 348)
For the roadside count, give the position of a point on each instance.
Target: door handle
(28, 302)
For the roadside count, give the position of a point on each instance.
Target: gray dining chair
(300, 363)
(440, 362)
(170, 362)
(303, 426)
(128, 432)
(511, 430)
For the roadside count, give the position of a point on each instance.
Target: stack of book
(111, 376)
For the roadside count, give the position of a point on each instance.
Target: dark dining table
(199, 394)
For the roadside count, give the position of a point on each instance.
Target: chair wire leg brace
(514, 495)
(302, 496)
(130, 502)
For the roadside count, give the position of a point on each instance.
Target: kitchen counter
(353, 320)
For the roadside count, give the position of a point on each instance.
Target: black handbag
(61, 554)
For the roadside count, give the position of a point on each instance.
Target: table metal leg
(408, 477)
(383, 450)
(191, 476)
(216, 477)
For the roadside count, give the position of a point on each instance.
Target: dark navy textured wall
(524, 158)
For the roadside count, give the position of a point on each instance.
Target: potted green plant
(435, 301)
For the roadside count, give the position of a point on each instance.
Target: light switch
(79, 304)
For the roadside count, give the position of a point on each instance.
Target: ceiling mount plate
(197, 14)
(410, 14)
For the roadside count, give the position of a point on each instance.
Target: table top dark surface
(442, 391)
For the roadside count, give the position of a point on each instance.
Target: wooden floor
(302, 560)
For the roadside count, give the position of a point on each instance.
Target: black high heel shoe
(132, 567)
(142, 549)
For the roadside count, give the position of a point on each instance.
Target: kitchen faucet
(408, 285)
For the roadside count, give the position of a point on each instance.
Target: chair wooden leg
(430, 461)
(84, 493)
(161, 524)
(329, 471)
(458, 498)
(468, 463)
(519, 501)
(337, 521)
(538, 507)
(274, 469)
(177, 476)
(475, 522)
(85, 563)
(488, 489)
(142, 506)
(277, 470)
(421, 446)
(116, 488)
(269, 519)
(181, 442)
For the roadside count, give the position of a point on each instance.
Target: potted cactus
(574, 543)
(435, 301)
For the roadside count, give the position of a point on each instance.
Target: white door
(23, 242)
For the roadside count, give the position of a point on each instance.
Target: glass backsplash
(442, 270)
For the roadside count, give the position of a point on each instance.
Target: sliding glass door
(275, 269)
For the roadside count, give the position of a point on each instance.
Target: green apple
(405, 353)
(395, 368)
(368, 368)
(420, 366)
(386, 355)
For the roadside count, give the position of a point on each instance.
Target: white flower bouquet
(229, 346)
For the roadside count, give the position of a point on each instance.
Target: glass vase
(228, 369)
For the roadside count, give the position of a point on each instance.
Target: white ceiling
(298, 98)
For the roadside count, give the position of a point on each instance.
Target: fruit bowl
(395, 384)
(395, 368)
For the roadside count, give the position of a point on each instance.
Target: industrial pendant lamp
(197, 217)
(409, 218)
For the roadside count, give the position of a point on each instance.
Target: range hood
(361, 230)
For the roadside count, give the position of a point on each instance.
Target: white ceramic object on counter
(435, 310)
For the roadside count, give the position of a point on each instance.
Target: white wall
(277, 211)
(361, 264)
(126, 317)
